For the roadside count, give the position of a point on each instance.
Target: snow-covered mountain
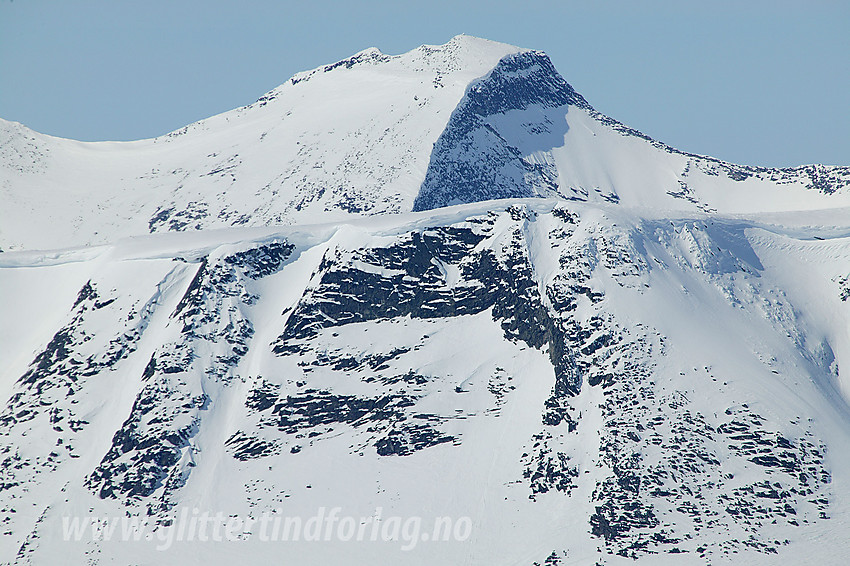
(467, 121)
(438, 284)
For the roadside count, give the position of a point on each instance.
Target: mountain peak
(465, 121)
(625, 333)
(472, 42)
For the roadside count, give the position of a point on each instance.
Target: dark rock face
(313, 413)
(244, 446)
(547, 469)
(823, 178)
(152, 453)
(655, 463)
(260, 262)
(483, 155)
(472, 161)
(313, 409)
(191, 217)
(417, 287)
(663, 488)
(60, 359)
(409, 278)
(47, 397)
(485, 151)
(640, 505)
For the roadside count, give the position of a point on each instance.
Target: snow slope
(466, 121)
(579, 380)
(634, 355)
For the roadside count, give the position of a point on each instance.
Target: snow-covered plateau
(405, 289)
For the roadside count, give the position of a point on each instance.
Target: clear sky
(749, 81)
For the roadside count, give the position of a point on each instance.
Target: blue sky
(753, 82)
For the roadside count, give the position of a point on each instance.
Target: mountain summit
(463, 122)
(430, 308)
